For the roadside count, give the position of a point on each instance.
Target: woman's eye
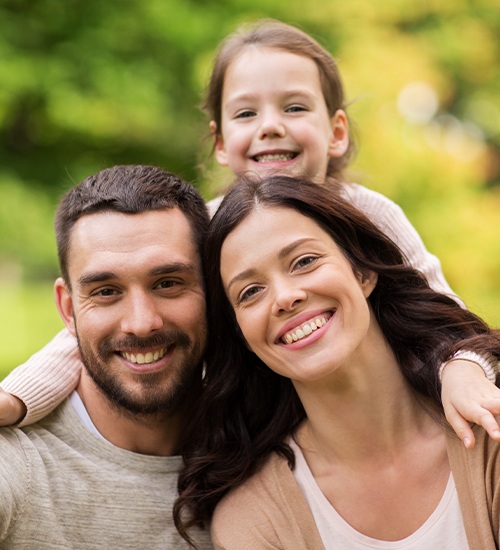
(248, 293)
(304, 262)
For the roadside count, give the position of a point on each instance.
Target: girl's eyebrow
(248, 96)
(281, 254)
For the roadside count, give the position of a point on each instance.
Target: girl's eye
(295, 109)
(245, 114)
(248, 293)
(306, 261)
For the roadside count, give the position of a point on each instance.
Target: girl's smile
(275, 118)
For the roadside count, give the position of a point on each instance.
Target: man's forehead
(110, 236)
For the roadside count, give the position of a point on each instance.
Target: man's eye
(105, 292)
(167, 284)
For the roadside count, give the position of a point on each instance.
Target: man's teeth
(142, 358)
(274, 157)
(304, 330)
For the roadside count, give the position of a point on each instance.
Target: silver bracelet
(481, 360)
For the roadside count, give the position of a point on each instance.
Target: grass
(30, 319)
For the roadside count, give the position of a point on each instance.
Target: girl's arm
(467, 394)
(42, 382)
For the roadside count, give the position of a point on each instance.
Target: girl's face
(298, 303)
(274, 117)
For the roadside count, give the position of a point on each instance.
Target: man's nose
(141, 316)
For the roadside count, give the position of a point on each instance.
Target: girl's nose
(272, 126)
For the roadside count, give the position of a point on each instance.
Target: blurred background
(86, 84)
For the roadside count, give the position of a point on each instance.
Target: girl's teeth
(305, 330)
(278, 156)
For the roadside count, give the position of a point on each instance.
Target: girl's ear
(64, 304)
(368, 281)
(219, 147)
(340, 134)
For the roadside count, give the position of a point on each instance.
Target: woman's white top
(443, 530)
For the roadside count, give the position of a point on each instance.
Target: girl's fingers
(461, 427)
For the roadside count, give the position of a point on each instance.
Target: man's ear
(64, 304)
(219, 147)
(339, 142)
(368, 281)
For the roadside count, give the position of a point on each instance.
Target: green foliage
(88, 84)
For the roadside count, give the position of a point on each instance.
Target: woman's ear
(368, 281)
(339, 143)
(219, 147)
(64, 304)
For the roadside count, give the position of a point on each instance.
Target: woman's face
(298, 303)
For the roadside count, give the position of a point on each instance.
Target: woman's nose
(287, 298)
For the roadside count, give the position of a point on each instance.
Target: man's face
(137, 306)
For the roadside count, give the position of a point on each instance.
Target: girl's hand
(12, 409)
(467, 395)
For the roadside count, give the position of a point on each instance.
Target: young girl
(276, 105)
(320, 424)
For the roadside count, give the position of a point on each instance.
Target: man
(101, 470)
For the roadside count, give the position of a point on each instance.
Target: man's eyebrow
(95, 277)
(164, 269)
(173, 267)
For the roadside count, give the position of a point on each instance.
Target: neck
(152, 434)
(366, 409)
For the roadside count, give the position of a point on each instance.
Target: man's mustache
(131, 342)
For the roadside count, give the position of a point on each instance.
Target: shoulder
(267, 511)
(476, 473)
(484, 458)
(15, 476)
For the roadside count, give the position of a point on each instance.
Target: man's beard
(155, 396)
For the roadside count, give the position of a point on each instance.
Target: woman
(321, 424)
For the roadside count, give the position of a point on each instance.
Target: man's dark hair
(129, 189)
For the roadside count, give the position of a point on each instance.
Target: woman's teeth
(304, 330)
(142, 358)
